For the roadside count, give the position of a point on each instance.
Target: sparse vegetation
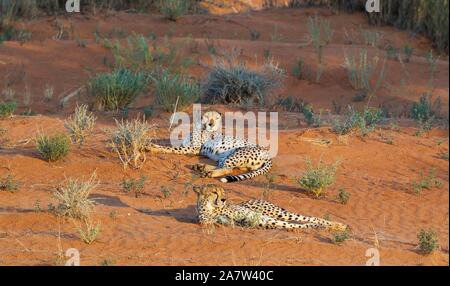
(360, 72)
(80, 124)
(53, 148)
(427, 182)
(116, 90)
(365, 121)
(319, 177)
(428, 241)
(135, 186)
(175, 90)
(342, 196)
(339, 237)
(425, 111)
(88, 230)
(320, 33)
(173, 9)
(73, 198)
(301, 70)
(130, 141)
(9, 184)
(7, 109)
(371, 38)
(233, 82)
(48, 92)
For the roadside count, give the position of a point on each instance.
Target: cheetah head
(211, 121)
(210, 196)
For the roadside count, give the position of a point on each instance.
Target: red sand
(382, 212)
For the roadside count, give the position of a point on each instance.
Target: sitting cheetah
(212, 207)
(230, 152)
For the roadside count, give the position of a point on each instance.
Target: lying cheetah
(212, 207)
(230, 152)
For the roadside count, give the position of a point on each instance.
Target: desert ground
(160, 227)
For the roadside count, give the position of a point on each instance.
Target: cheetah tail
(265, 168)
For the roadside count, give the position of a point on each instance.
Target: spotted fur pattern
(213, 208)
(229, 152)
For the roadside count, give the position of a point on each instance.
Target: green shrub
(340, 237)
(88, 230)
(231, 82)
(73, 198)
(426, 182)
(175, 90)
(425, 112)
(360, 72)
(173, 9)
(9, 184)
(343, 196)
(130, 142)
(317, 178)
(365, 122)
(135, 186)
(301, 70)
(80, 124)
(428, 241)
(407, 52)
(7, 109)
(53, 148)
(117, 90)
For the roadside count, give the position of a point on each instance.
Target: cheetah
(213, 208)
(229, 152)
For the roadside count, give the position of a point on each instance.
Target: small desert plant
(9, 184)
(165, 191)
(135, 186)
(130, 141)
(73, 198)
(342, 196)
(407, 52)
(88, 230)
(118, 89)
(173, 9)
(425, 111)
(9, 93)
(53, 148)
(365, 122)
(48, 92)
(175, 91)
(360, 72)
(428, 241)
(426, 182)
(80, 124)
(301, 70)
(254, 35)
(233, 82)
(432, 63)
(391, 52)
(317, 178)
(7, 109)
(320, 33)
(371, 38)
(339, 237)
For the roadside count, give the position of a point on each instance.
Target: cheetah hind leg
(203, 169)
(278, 224)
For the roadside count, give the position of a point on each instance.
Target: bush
(319, 177)
(7, 109)
(80, 124)
(230, 82)
(130, 142)
(343, 196)
(88, 230)
(116, 90)
(340, 237)
(73, 198)
(365, 122)
(173, 9)
(53, 148)
(175, 90)
(9, 184)
(134, 185)
(360, 72)
(426, 182)
(425, 109)
(428, 241)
